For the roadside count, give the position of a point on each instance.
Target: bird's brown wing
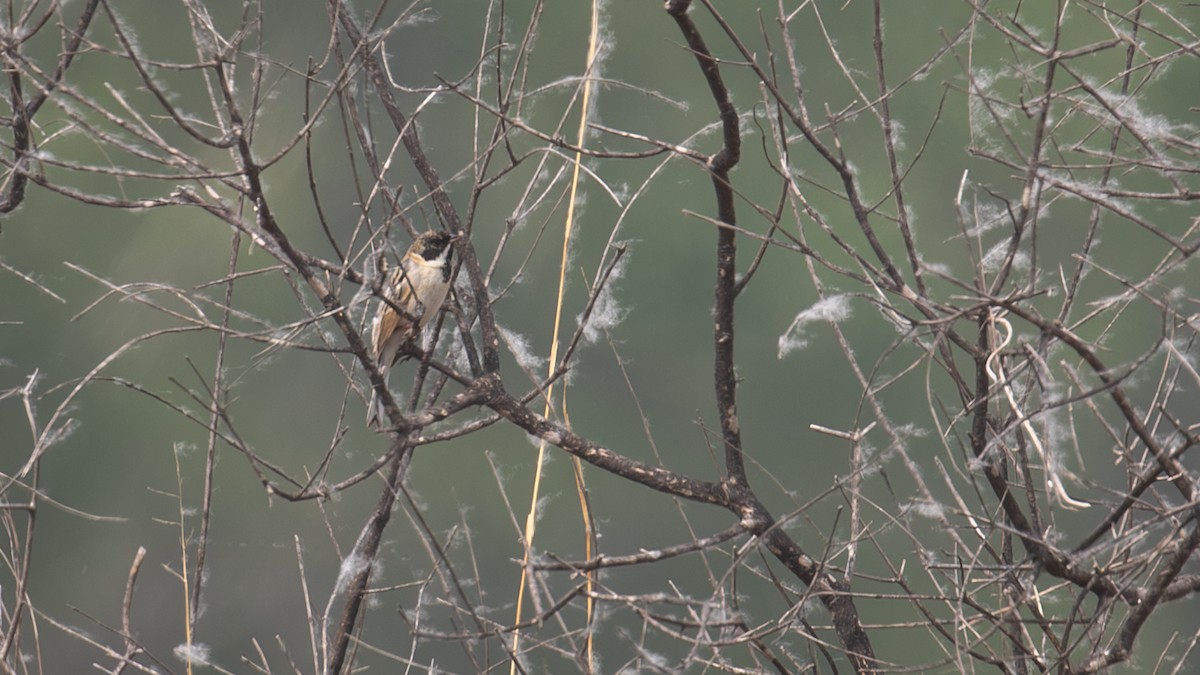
(393, 325)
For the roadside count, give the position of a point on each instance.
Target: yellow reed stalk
(531, 517)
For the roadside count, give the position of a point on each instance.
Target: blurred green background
(122, 459)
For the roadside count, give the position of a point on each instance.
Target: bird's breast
(431, 288)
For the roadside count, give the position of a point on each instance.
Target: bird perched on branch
(412, 295)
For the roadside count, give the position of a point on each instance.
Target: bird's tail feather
(376, 415)
(375, 412)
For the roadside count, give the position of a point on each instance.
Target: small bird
(418, 287)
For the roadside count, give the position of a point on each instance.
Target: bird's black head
(432, 245)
